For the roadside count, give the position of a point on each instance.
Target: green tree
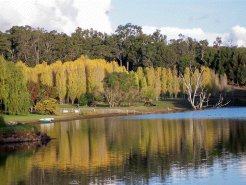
(13, 94)
(120, 88)
(5, 46)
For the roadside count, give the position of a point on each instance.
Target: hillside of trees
(128, 46)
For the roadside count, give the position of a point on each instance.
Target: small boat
(46, 120)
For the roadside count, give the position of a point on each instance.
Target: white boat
(46, 120)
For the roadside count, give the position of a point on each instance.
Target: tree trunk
(127, 66)
(61, 100)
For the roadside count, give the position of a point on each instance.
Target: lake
(202, 147)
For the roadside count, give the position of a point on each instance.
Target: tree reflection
(134, 151)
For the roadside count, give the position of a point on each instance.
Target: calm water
(146, 149)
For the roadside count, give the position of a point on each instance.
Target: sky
(199, 19)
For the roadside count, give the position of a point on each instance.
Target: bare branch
(197, 94)
(220, 102)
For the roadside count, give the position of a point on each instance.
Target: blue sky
(199, 19)
(210, 15)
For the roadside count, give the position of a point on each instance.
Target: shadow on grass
(238, 97)
(178, 103)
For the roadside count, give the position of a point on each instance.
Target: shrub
(87, 99)
(48, 106)
(83, 100)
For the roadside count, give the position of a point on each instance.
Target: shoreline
(30, 136)
(95, 113)
(71, 117)
(78, 117)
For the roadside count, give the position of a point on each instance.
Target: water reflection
(113, 150)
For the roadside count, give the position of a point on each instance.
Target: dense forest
(128, 46)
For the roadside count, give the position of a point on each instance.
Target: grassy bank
(18, 128)
(170, 105)
(31, 117)
(20, 133)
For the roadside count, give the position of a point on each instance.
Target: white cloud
(196, 33)
(61, 15)
(238, 36)
(67, 15)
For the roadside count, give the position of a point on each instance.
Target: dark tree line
(129, 46)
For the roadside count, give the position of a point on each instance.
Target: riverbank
(21, 132)
(97, 112)
(32, 118)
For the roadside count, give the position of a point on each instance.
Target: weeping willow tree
(14, 95)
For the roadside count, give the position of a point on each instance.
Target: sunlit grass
(159, 106)
(23, 117)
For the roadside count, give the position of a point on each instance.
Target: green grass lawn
(139, 107)
(18, 128)
(68, 106)
(27, 117)
(34, 117)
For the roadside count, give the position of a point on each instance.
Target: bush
(87, 99)
(83, 100)
(48, 106)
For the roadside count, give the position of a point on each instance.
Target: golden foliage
(75, 78)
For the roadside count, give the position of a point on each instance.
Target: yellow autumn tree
(72, 78)
(81, 81)
(150, 76)
(140, 75)
(169, 82)
(175, 82)
(45, 74)
(60, 79)
(164, 81)
(25, 69)
(99, 76)
(33, 75)
(90, 77)
(150, 79)
(157, 83)
(144, 87)
(206, 77)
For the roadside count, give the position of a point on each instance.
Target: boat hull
(46, 120)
